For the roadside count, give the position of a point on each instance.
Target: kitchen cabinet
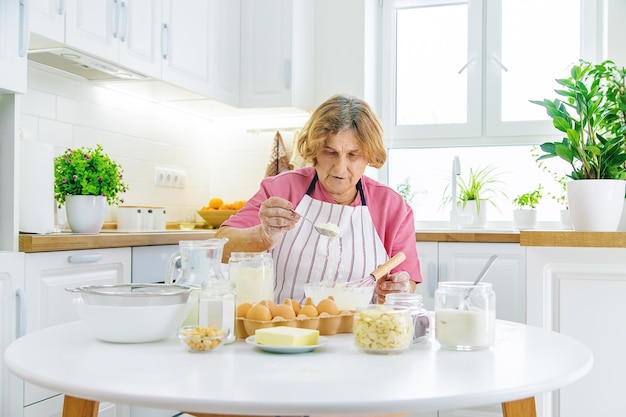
(13, 45)
(11, 327)
(580, 292)
(47, 19)
(47, 275)
(453, 261)
(277, 53)
(200, 48)
(126, 32)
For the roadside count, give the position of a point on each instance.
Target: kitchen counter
(570, 238)
(107, 239)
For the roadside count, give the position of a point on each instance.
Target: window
(463, 72)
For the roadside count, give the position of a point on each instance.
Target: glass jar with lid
(419, 315)
(217, 306)
(253, 273)
(381, 328)
(465, 315)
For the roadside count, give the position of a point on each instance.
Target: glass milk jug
(217, 306)
(465, 315)
(253, 274)
(196, 261)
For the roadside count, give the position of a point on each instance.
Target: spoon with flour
(330, 230)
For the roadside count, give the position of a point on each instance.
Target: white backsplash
(220, 158)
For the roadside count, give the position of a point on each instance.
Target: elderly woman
(342, 137)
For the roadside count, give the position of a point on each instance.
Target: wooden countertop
(570, 238)
(107, 239)
(467, 236)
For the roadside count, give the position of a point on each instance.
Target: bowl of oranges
(217, 211)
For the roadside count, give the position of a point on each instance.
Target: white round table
(336, 378)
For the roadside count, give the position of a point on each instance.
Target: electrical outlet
(168, 177)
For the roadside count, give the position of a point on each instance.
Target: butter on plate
(286, 336)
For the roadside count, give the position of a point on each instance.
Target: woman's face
(340, 165)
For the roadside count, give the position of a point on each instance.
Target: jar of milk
(253, 275)
(465, 315)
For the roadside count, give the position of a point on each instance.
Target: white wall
(219, 157)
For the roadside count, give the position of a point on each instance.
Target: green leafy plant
(530, 199)
(591, 113)
(86, 171)
(404, 189)
(482, 185)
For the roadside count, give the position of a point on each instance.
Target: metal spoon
(463, 305)
(327, 229)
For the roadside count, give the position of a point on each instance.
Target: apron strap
(359, 188)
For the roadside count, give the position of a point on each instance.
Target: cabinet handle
(20, 320)
(61, 9)
(500, 64)
(116, 20)
(165, 33)
(24, 26)
(288, 74)
(83, 259)
(124, 25)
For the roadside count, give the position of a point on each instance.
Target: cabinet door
(201, 47)
(580, 292)
(13, 45)
(140, 36)
(11, 284)
(48, 274)
(47, 18)
(92, 26)
(464, 261)
(277, 53)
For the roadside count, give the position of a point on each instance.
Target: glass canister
(217, 305)
(421, 322)
(465, 315)
(253, 273)
(382, 328)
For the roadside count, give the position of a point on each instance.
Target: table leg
(79, 407)
(520, 408)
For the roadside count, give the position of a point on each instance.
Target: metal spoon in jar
(327, 229)
(464, 304)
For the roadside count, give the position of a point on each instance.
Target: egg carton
(326, 324)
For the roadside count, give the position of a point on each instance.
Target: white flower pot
(595, 205)
(525, 218)
(470, 216)
(85, 213)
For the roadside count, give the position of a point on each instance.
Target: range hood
(83, 65)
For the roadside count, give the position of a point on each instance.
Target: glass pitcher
(196, 261)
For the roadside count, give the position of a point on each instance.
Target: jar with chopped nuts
(380, 328)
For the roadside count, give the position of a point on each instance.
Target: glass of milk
(253, 274)
(465, 315)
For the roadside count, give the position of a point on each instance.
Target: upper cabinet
(277, 53)
(14, 33)
(200, 47)
(47, 18)
(126, 32)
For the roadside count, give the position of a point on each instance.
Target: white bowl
(346, 298)
(132, 324)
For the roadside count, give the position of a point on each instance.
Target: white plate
(287, 349)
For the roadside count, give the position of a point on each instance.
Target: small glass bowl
(201, 339)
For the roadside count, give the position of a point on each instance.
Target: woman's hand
(398, 282)
(276, 219)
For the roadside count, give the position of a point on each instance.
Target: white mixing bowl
(132, 324)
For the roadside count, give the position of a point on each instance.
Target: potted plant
(85, 180)
(591, 114)
(525, 213)
(479, 188)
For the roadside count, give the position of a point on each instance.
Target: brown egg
(271, 306)
(294, 304)
(328, 305)
(284, 310)
(309, 310)
(242, 309)
(259, 312)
